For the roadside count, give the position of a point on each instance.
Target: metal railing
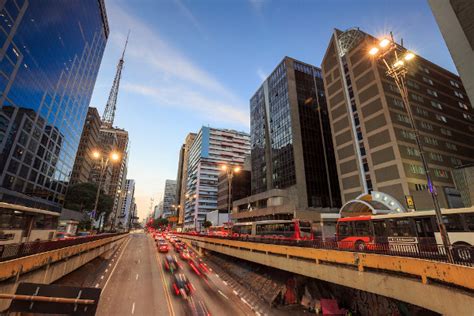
(424, 249)
(13, 251)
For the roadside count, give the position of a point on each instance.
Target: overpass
(441, 287)
(49, 261)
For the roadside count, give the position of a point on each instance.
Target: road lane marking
(136, 278)
(222, 294)
(106, 270)
(133, 308)
(113, 270)
(235, 292)
(165, 286)
(110, 264)
(224, 282)
(217, 275)
(101, 277)
(97, 285)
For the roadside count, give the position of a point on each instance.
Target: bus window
(401, 228)
(453, 223)
(424, 227)
(305, 229)
(344, 229)
(362, 228)
(380, 228)
(469, 219)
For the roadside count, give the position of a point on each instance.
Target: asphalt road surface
(135, 283)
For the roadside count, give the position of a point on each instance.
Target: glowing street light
(396, 65)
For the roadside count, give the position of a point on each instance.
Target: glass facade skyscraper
(50, 53)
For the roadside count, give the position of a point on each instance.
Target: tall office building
(293, 168)
(373, 138)
(83, 170)
(49, 60)
(464, 181)
(454, 19)
(127, 206)
(116, 139)
(209, 151)
(181, 179)
(169, 199)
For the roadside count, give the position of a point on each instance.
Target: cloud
(149, 47)
(257, 5)
(183, 97)
(261, 74)
(190, 16)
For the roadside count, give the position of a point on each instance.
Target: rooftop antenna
(109, 112)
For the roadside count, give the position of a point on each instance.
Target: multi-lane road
(135, 283)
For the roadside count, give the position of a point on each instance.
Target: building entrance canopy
(374, 203)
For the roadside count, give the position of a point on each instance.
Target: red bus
(222, 230)
(277, 229)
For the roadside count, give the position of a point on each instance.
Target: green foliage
(160, 223)
(207, 224)
(81, 197)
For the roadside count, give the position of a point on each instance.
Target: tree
(81, 197)
(160, 223)
(207, 224)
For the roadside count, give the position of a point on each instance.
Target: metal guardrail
(426, 249)
(457, 275)
(13, 251)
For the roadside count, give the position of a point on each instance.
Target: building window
(454, 83)
(436, 105)
(451, 146)
(467, 116)
(413, 152)
(431, 140)
(408, 135)
(458, 94)
(398, 103)
(413, 84)
(436, 157)
(424, 69)
(415, 169)
(463, 106)
(441, 118)
(403, 118)
(421, 111)
(446, 132)
(421, 187)
(456, 161)
(428, 81)
(427, 126)
(416, 97)
(440, 173)
(432, 92)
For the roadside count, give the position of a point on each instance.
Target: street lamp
(230, 171)
(103, 162)
(395, 59)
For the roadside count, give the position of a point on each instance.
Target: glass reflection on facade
(284, 129)
(49, 59)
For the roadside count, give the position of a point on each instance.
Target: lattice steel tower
(109, 112)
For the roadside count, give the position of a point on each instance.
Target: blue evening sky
(191, 63)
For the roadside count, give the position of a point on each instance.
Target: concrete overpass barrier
(50, 266)
(441, 287)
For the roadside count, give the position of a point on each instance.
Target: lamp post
(395, 59)
(230, 171)
(103, 163)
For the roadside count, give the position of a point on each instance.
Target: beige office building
(373, 139)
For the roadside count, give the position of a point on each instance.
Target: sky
(193, 63)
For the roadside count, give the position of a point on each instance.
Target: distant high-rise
(127, 206)
(83, 170)
(169, 199)
(455, 22)
(374, 142)
(293, 168)
(210, 149)
(182, 178)
(49, 64)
